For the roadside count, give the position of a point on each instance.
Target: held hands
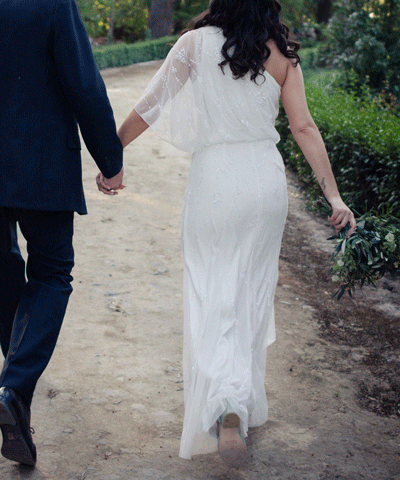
(109, 185)
(341, 216)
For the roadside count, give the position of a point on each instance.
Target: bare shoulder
(277, 55)
(277, 64)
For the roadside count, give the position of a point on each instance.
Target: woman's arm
(176, 70)
(312, 145)
(133, 126)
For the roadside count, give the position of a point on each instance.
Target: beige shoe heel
(231, 445)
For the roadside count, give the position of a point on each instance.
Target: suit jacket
(49, 82)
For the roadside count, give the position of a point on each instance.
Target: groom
(48, 83)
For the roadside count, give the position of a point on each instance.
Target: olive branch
(368, 254)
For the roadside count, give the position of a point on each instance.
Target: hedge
(123, 54)
(308, 57)
(363, 143)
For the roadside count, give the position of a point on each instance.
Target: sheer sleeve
(168, 103)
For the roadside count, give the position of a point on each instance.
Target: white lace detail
(178, 110)
(181, 55)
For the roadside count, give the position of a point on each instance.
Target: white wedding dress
(232, 223)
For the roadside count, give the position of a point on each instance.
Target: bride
(217, 95)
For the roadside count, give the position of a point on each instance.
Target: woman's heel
(231, 445)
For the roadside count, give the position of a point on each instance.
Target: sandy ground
(110, 404)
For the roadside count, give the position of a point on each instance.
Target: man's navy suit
(49, 83)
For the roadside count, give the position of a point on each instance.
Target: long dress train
(233, 217)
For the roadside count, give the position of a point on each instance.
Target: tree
(324, 11)
(296, 13)
(363, 39)
(121, 19)
(161, 18)
(186, 10)
(111, 22)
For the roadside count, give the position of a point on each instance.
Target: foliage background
(363, 39)
(129, 18)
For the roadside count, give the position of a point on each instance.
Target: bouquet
(370, 252)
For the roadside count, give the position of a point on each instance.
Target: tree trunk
(110, 35)
(390, 15)
(161, 18)
(324, 9)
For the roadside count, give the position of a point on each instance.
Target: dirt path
(110, 404)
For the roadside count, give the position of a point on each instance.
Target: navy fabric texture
(32, 310)
(49, 83)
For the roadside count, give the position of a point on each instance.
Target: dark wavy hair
(247, 26)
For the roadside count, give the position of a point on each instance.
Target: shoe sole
(14, 446)
(231, 447)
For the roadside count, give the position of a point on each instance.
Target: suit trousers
(32, 309)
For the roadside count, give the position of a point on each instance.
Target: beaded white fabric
(234, 212)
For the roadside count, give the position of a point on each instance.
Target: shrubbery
(122, 54)
(121, 19)
(364, 148)
(363, 38)
(308, 57)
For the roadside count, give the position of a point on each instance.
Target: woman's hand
(109, 185)
(341, 215)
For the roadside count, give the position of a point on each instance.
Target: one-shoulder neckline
(273, 78)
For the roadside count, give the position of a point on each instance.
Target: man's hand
(109, 185)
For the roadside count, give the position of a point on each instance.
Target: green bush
(308, 57)
(116, 19)
(122, 54)
(185, 11)
(364, 37)
(363, 143)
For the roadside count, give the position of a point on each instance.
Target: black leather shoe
(15, 419)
